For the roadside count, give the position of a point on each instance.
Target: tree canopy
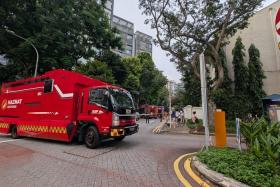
(185, 28)
(62, 31)
(256, 77)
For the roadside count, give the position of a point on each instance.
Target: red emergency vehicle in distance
(152, 111)
(61, 105)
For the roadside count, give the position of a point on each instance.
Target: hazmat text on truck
(62, 105)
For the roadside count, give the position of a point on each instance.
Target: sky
(129, 10)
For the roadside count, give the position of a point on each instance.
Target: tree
(186, 27)
(256, 76)
(240, 69)
(241, 103)
(62, 31)
(114, 62)
(134, 69)
(223, 96)
(152, 81)
(97, 70)
(192, 88)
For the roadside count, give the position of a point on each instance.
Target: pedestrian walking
(147, 117)
(177, 117)
(194, 118)
(174, 120)
(182, 116)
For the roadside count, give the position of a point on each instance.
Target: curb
(188, 169)
(212, 134)
(214, 176)
(189, 133)
(178, 173)
(196, 178)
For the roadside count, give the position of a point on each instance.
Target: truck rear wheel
(14, 132)
(92, 139)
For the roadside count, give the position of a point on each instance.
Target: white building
(262, 31)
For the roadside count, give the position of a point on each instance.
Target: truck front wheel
(14, 132)
(92, 139)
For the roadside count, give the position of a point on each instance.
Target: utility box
(220, 129)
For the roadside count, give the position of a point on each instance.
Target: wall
(188, 110)
(262, 33)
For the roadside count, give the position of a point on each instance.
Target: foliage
(241, 101)
(152, 82)
(97, 70)
(242, 166)
(223, 96)
(231, 126)
(115, 63)
(186, 27)
(179, 100)
(262, 138)
(134, 68)
(192, 88)
(256, 76)
(241, 79)
(136, 74)
(62, 31)
(192, 125)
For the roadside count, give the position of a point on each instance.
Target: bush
(242, 166)
(191, 125)
(231, 126)
(262, 138)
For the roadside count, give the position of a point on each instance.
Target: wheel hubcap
(90, 136)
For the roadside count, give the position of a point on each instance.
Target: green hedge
(242, 166)
(192, 125)
(230, 126)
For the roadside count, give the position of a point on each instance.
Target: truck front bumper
(124, 130)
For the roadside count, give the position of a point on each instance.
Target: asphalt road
(143, 159)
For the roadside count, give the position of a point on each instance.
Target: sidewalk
(177, 130)
(185, 130)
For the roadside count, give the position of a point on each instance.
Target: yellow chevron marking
(33, 128)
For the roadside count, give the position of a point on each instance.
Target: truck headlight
(115, 120)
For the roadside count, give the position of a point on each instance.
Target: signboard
(277, 22)
(277, 26)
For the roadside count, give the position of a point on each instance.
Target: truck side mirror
(48, 86)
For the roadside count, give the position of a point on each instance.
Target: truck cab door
(98, 107)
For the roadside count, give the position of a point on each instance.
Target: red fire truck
(151, 110)
(61, 105)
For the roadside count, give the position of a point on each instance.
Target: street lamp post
(204, 98)
(170, 100)
(37, 54)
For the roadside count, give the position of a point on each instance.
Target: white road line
(8, 141)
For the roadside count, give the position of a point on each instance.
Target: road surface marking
(178, 173)
(187, 166)
(7, 141)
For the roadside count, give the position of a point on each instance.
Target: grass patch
(242, 166)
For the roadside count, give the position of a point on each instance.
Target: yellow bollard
(220, 129)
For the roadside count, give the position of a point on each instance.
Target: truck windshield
(121, 99)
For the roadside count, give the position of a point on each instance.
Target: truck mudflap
(124, 130)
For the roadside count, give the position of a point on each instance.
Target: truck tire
(92, 139)
(119, 139)
(14, 132)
